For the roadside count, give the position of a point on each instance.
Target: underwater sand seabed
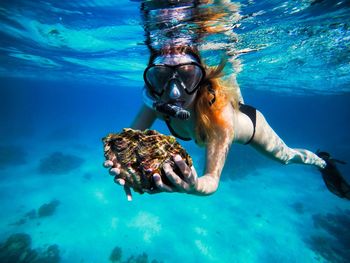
(53, 187)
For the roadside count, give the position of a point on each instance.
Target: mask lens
(190, 75)
(157, 77)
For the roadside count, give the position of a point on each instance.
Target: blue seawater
(71, 72)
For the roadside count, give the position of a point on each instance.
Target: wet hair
(214, 95)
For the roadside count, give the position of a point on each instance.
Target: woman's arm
(144, 119)
(216, 153)
(207, 184)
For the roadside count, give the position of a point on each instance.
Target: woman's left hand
(187, 183)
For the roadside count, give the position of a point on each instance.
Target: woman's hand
(188, 182)
(115, 170)
(186, 185)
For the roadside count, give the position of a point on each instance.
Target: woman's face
(179, 81)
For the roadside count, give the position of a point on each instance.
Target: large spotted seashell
(141, 154)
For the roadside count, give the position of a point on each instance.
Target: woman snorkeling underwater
(204, 103)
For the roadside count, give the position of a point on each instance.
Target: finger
(119, 181)
(128, 193)
(159, 183)
(114, 171)
(117, 165)
(181, 163)
(192, 179)
(180, 184)
(151, 191)
(107, 164)
(135, 178)
(111, 157)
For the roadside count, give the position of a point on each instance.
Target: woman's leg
(270, 144)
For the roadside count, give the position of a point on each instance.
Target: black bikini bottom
(251, 113)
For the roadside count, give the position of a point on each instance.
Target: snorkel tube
(169, 109)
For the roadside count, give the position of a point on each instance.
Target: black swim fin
(333, 179)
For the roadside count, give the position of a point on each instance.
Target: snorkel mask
(177, 79)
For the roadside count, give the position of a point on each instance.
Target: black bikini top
(246, 109)
(172, 131)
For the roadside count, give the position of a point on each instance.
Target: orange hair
(210, 123)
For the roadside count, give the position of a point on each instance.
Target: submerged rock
(333, 242)
(116, 254)
(48, 209)
(59, 163)
(12, 155)
(17, 248)
(141, 154)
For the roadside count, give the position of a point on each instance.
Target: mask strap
(148, 99)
